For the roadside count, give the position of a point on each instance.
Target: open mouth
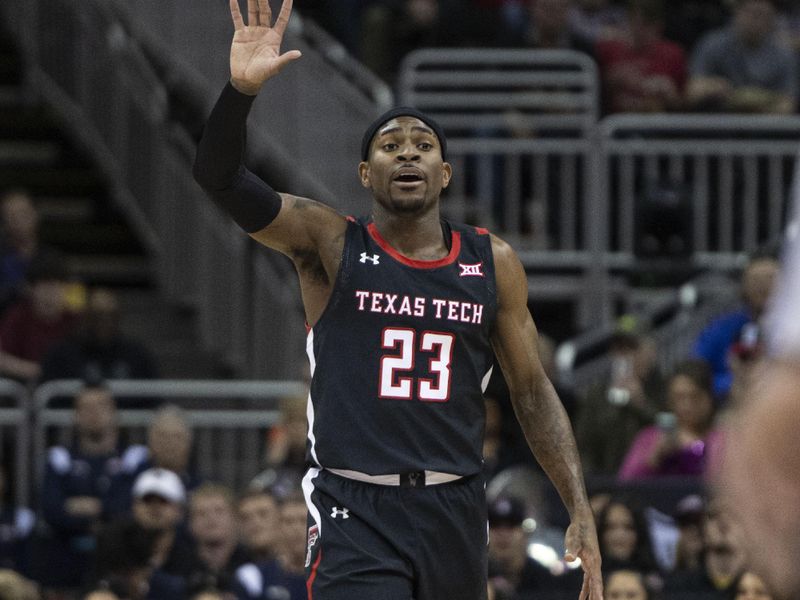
(409, 176)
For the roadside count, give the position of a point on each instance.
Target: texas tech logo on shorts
(475, 270)
(313, 534)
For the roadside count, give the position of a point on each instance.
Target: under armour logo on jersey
(340, 512)
(373, 259)
(475, 270)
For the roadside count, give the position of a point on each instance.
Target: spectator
(745, 67)
(259, 525)
(20, 229)
(595, 20)
(625, 402)
(625, 584)
(125, 550)
(14, 586)
(392, 29)
(169, 446)
(101, 593)
(688, 20)
(158, 505)
(549, 27)
(76, 492)
(34, 324)
(16, 527)
(749, 586)
(273, 536)
(717, 340)
(293, 530)
(723, 559)
(212, 523)
(685, 442)
(169, 443)
(624, 539)
(689, 515)
(512, 572)
(286, 448)
(99, 349)
(641, 70)
(207, 593)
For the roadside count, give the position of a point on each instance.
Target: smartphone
(666, 421)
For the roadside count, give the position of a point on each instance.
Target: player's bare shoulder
(512, 283)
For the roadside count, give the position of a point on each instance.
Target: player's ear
(447, 173)
(363, 173)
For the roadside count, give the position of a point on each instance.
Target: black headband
(401, 111)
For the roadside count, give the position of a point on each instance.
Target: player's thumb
(572, 545)
(285, 58)
(571, 554)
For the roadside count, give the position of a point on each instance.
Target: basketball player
(761, 471)
(405, 314)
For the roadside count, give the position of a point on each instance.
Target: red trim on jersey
(481, 231)
(313, 575)
(455, 248)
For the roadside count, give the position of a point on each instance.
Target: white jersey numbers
(437, 346)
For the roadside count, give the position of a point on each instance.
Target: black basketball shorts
(382, 542)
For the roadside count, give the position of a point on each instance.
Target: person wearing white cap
(158, 504)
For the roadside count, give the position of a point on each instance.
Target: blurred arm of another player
(760, 472)
(541, 414)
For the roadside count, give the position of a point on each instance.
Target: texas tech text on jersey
(419, 306)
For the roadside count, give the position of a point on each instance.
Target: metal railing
(734, 171)
(520, 127)
(228, 438)
(671, 322)
(563, 188)
(15, 438)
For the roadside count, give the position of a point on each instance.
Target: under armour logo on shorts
(340, 512)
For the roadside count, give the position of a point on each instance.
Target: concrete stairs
(78, 217)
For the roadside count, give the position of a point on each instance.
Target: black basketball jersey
(401, 356)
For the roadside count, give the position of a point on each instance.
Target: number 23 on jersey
(406, 346)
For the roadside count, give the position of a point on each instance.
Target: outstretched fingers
(264, 13)
(585, 593)
(252, 13)
(283, 17)
(236, 15)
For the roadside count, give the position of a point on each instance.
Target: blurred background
(639, 156)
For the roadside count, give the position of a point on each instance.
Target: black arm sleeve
(219, 169)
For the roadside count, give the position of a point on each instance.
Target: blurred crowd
(114, 519)
(138, 521)
(650, 445)
(653, 56)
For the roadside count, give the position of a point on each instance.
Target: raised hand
(256, 47)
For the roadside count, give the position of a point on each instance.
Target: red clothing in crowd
(629, 72)
(26, 335)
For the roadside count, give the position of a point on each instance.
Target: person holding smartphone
(684, 440)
